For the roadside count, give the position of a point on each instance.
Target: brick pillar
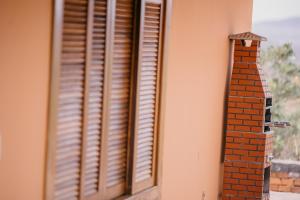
(248, 139)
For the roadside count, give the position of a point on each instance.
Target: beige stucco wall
(24, 68)
(196, 77)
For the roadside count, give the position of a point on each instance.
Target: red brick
(232, 93)
(241, 53)
(235, 110)
(235, 71)
(256, 153)
(231, 104)
(258, 83)
(252, 100)
(241, 140)
(248, 59)
(246, 82)
(295, 189)
(260, 159)
(251, 111)
(253, 88)
(226, 186)
(231, 169)
(230, 192)
(248, 71)
(257, 141)
(253, 66)
(231, 116)
(234, 134)
(240, 164)
(229, 139)
(258, 106)
(259, 183)
(237, 58)
(232, 146)
(261, 148)
(250, 123)
(247, 182)
(297, 182)
(235, 99)
(234, 82)
(247, 170)
(259, 94)
(239, 176)
(254, 189)
(234, 121)
(255, 166)
(251, 135)
(227, 164)
(252, 54)
(242, 128)
(248, 94)
(240, 65)
(256, 129)
(240, 152)
(247, 158)
(241, 116)
(228, 152)
(257, 117)
(232, 157)
(230, 181)
(254, 77)
(239, 187)
(244, 105)
(239, 76)
(255, 177)
(250, 147)
(246, 194)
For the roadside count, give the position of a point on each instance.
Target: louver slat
(119, 99)
(95, 99)
(69, 125)
(147, 95)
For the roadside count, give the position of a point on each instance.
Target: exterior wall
(24, 69)
(196, 79)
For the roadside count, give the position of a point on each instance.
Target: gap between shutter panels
(70, 101)
(147, 94)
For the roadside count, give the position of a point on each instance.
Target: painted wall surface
(25, 30)
(196, 78)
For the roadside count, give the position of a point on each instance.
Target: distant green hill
(279, 32)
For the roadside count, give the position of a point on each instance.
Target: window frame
(152, 193)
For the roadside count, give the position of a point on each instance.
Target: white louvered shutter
(147, 96)
(70, 101)
(118, 100)
(75, 161)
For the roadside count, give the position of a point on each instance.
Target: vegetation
(283, 76)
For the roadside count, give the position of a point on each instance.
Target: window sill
(149, 194)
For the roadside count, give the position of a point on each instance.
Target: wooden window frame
(153, 193)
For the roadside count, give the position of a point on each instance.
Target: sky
(265, 10)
